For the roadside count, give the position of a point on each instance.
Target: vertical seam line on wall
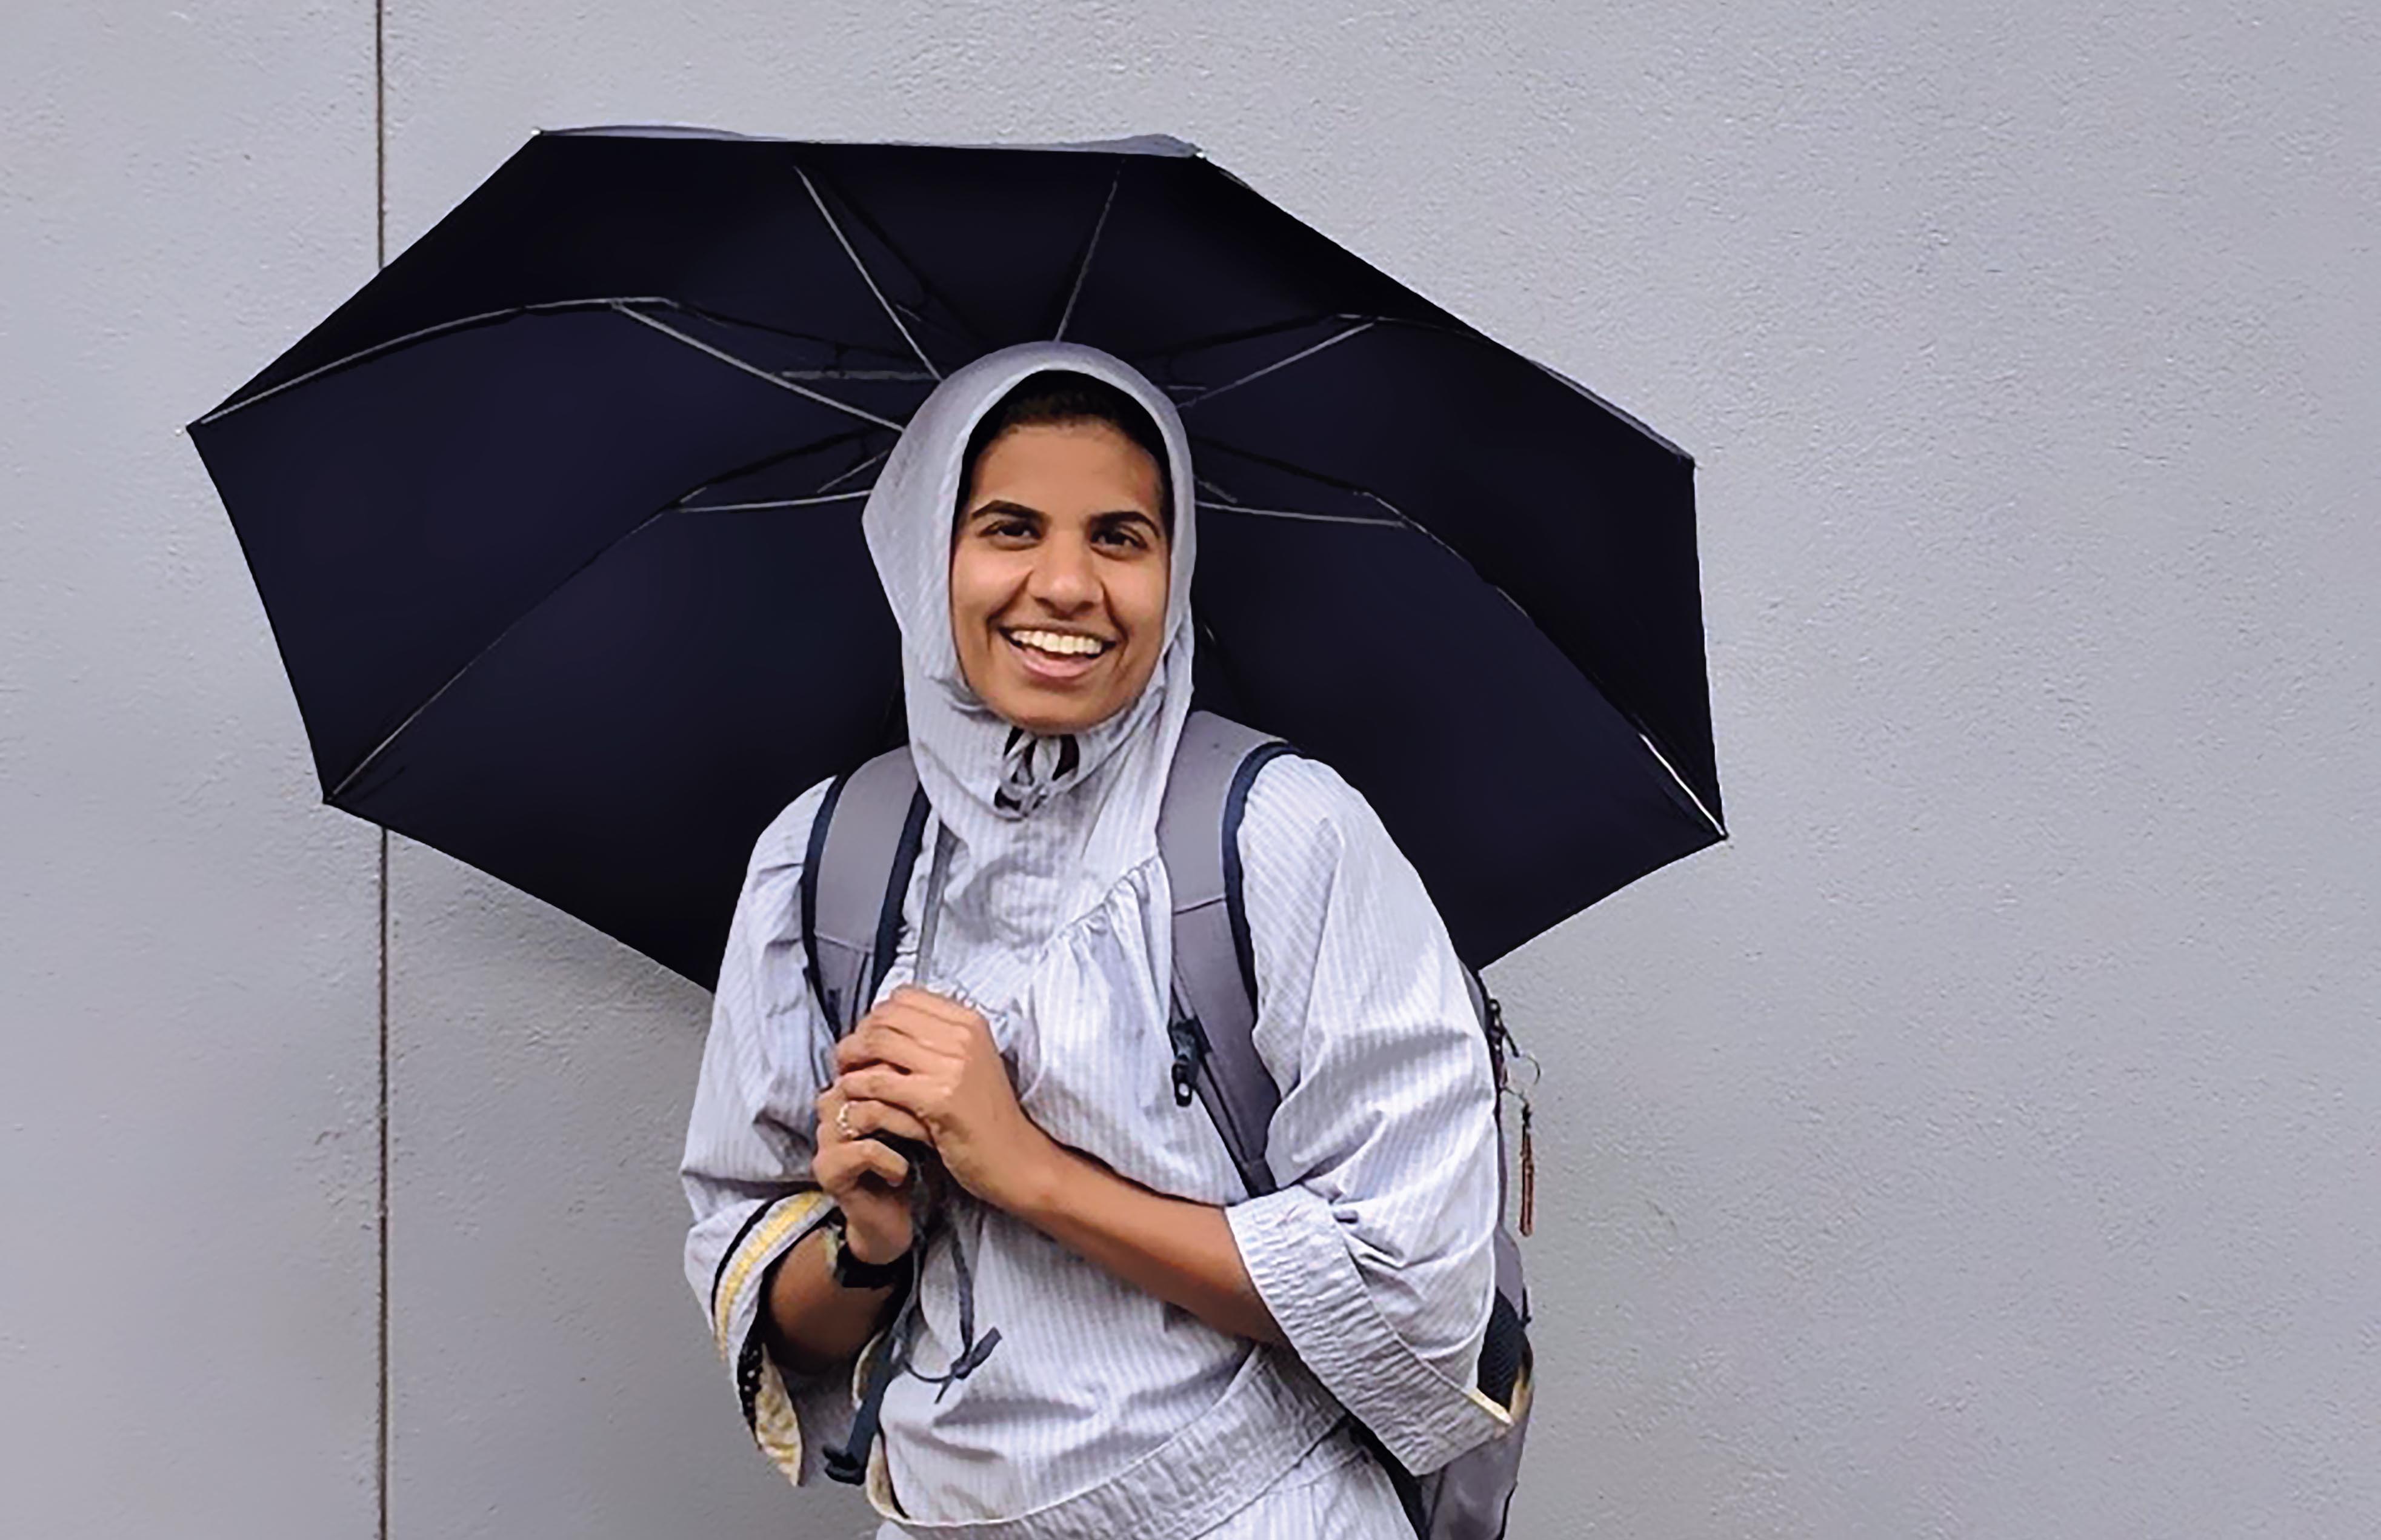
(380, 1416)
(380, 1436)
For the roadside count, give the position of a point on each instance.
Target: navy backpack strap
(870, 826)
(1214, 965)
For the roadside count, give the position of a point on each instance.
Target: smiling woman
(1077, 1317)
(1059, 557)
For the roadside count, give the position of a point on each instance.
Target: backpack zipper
(1190, 1041)
(1194, 1070)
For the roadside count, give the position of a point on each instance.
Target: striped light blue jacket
(1104, 1411)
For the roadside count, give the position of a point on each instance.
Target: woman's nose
(1063, 576)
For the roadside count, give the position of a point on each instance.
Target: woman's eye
(1010, 529)
(1129, 539)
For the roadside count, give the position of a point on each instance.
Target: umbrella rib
(1148, 356)
(771, 461)
(1300, 514)
(675, 506)
(777, 502)
(1427, 532)
(492, 643)
(858, 214)
(1208, 483)
(1628, 417)
(1225, 500)
(873, 376)
(756, 370)
(1642, 736)
(1334, 340)
(1083, 268)
(865, 276)
(1683, 784)
(457, 325)
(878, 458)
(542, 307)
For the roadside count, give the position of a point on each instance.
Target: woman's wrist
(852, 1268)
(865, 1243)
(1037, 1182)
(808, 1324)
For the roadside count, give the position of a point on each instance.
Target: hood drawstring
(932, 1194)
(1021, 792)
(931, 1200)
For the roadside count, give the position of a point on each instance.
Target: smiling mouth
(1068, 646)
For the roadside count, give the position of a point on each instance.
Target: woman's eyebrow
(1003, 505)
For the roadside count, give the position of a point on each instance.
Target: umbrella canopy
(556, 520)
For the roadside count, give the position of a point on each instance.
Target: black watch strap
(850, 1272)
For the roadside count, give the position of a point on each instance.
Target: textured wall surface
(189, 944)
(1985, 1143)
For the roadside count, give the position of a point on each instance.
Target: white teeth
(1060, 642)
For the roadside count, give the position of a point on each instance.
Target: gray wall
(1983, 1144)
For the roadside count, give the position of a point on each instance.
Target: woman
(1174, 1358)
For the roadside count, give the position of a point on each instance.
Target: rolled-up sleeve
(1375, 1254)
(749, 1141)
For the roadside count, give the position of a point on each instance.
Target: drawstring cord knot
(1022, 791)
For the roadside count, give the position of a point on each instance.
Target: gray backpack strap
(869, 826)
(1215, 967)
(1215, 986)
(862, 849)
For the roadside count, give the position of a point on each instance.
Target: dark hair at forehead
(1061, 396)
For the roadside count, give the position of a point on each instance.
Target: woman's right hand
(867, 1178)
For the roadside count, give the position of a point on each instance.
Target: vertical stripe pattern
(1373, 1254)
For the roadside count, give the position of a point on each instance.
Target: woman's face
(1059, 576)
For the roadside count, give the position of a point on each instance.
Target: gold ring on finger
(843, 1120)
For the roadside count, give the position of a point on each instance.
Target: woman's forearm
(815, 1322)
(1179, 1250)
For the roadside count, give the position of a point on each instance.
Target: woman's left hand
(934, 1059)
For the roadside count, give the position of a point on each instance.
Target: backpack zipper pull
(1189, 1047)
(1503, 1053)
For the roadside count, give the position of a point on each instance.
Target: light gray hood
(1026, 863)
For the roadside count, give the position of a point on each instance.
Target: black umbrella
(556, 520)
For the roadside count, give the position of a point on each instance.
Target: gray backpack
(862, 849)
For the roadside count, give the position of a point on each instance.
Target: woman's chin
(1049, 721)
(1050, 712)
